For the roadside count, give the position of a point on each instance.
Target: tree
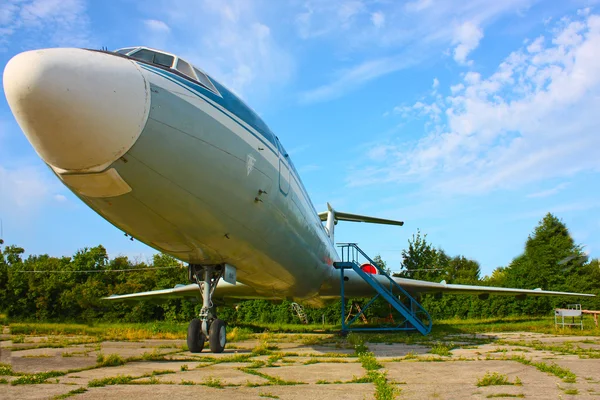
(381, 264)
(462, 270)
(421, 260)
(3, 278)
(550, 255)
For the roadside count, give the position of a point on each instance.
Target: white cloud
(378, 19)
(511, 128)
(60, 198)
(319, 18)
(45, 22)
(156, 25)
(24, 189)
(548, 192)
(436, 83)
(228, 39)
(466, 38)
(420, 30)
(536, 46)
(418, 5)
(351, 78)
(310, 168)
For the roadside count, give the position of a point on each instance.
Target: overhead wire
(98, 271)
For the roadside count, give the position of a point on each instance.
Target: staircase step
(411, 314)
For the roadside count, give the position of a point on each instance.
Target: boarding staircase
(415, 317)
(300, 313)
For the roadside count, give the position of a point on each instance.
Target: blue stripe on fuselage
(227, 100)
(205, 93)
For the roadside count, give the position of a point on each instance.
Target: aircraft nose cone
(81, 110)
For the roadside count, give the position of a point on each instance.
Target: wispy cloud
(560, 209)
(157, 26)
(548, 192)
(354, 77)
(466, 38)
(421, 29)
(23, 190)
(45, 22)
(534, 118)
(309, 168)
(230, 39)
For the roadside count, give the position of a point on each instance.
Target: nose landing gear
(207, 326)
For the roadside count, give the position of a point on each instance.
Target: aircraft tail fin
(332, 217)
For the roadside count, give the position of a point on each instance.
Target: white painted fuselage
(189, 171)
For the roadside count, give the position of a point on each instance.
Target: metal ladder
(300, 313)
(415, 316)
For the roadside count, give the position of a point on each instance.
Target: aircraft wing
(417, 286)
(355, 286)
(342, 216)
(224, 292)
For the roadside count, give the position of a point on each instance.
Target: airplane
(171, 157)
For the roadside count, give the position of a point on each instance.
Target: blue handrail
(350, 253)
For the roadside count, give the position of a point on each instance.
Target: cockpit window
(125, 50)
(185, 68)
(153, 57)
(204, 80)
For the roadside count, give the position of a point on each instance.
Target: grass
(69, 394)
(273, 359)
(384, 390)
(153, 356)
(507, 324)
(564, 348)
(263, 348)
(312, 340)
(213, 383)
(114, 380)
(272, 380)
(495, 379)
(238, 334)
(357, 342)
(369, 362)
(267, 395)
(106, 331)
(327, 361)
(571, 391)
(111, 360)
(491, 396)
(3, 381)
(565, 374)
(183, 368)
(442, 349)
(6, 370)
(33, 379)
(178, 330)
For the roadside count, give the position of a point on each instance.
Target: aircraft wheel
(217, 336)
(195, 337)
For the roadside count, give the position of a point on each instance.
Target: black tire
(195, 337)
(217, 336)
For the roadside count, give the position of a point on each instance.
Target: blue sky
(468, 120)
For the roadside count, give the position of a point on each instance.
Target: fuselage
(181, 164)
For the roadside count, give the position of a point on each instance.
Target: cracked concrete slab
(448, 378)
(315, 372)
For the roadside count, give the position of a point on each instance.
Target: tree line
(45, 288)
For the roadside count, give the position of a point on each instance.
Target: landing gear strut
(207, 326)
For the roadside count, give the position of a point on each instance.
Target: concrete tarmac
(285, 366)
